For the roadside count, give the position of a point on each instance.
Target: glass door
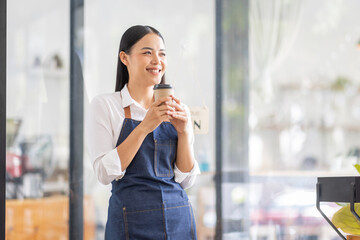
(37, 121)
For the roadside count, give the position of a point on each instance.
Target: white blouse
(103, 126)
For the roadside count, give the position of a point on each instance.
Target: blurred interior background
(282, 76)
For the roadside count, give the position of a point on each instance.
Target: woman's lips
(153, 70)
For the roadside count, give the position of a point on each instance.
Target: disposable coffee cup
(162, 90)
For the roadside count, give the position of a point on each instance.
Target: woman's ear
(123, 58)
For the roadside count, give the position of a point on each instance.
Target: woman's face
(146, 62)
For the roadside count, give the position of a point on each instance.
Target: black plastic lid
(162, 86)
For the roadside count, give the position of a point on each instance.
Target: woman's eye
(163, 54)
(147, 53)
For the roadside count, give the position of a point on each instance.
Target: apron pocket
(114, 229)
(165, 155)
(144, 224)
(180, 222)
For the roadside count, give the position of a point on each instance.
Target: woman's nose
(155, 60)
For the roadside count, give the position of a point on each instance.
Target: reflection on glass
(305, 104)
(304, 94)
(37, 136)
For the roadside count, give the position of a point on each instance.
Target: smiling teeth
(154, 71)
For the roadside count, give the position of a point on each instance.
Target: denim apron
(147, 203)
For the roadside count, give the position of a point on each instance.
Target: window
(282, 77)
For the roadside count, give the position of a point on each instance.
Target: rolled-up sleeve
(187, 180)
(103, 152)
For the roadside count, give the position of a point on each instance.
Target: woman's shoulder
(109, 101)
(106, 98)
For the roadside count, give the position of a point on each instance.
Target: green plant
(340, 83)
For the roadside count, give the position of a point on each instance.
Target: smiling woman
(143, 147)
(129, 43)
(146, 64)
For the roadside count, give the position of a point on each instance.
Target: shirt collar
(126, 98)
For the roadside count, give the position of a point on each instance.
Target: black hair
(129, 38)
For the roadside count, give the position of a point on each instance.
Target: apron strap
(127, 112)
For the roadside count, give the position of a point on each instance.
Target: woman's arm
(181, 121)
(187, 179)
(129, 147)
(185, 157)
(100, 139)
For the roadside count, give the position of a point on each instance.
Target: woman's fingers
(169, 108)
(175, 99)
(162, 100)
(170, 101)
(165, 110)
(179, 115)
(175, 103)
(165, 106)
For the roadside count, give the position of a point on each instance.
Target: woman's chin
(156, 81)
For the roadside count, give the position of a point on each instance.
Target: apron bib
(147, 203)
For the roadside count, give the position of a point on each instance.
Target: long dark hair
(129, 38)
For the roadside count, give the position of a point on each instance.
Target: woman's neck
(142, 95)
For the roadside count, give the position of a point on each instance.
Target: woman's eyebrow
(149, 48)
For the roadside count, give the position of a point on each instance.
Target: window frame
(2, 116)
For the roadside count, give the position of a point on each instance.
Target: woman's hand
(158, 112)
(179, 118)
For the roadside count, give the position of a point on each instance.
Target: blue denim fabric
(147, 203)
